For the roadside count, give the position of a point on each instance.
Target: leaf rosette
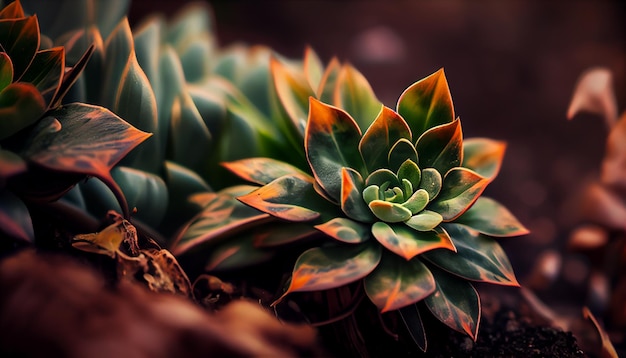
(400, 203)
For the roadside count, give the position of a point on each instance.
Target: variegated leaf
(460, 189)
(381, 135)
(19, 38)
(441, 147)
(400, 152)
(408, 243)
(352, 202)
(345, 230)
(46, 72)
(272, 235)
(484, 156)
(21, 105)
(326, 89)
(263, 170)
(6, 70)
(293, 90)
(491, 218)
(354, 94)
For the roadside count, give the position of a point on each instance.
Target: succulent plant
(399, 205)
(46, 147)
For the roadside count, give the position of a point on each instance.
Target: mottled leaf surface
(441, 147)
(460, 188)
(381, 135)
(352, 202)
(345, 230)
(491, 218)
(408, 243)
(263, 170)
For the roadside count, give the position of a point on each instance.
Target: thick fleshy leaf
(222, 213)
(19, 38)
(382, 176)
(145, 192)
(397, 283)
(71, 76)
(484, 156)
(411, 172)
(456, 303)
(293, 91)
(491, 218)
(322, 268)
(272, 235)
(46, 72)
(389, 212)
(381, 135)
(345, 230)
(352, 202)
(460, 188)
(326, 88)
(408, 243)
(416, 202)
(400, 152)
(6, 70)
(355, 95)
(431, 182)
(187, 126)
(290, 198)
(413, 321)
(313, 67)
(441, 147)
(15, 219)
(263, 170)
(426, 104)
(478, 257)
(21, 105)
(12, 11)
(424, 221)
(331, 141)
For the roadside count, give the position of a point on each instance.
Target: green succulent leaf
(21, 105)
(313, 67)
(424, 221)
(383, 177)
(352, 202)
(478, 257)
(441, 147)
(427, 104)
(46, 72)
(456, 303)
(187, 126)
(413, 321)
(15, 218)
(484, 156)
(71, 76)
(345, 230)
(144, 191)
(331, 142)
(417, 202)
(397, 283)
(408, 243)
(263, 170)
(271, 235)
(222, 214)
(322, 268)
(431, 182)
(6, 70)
(489, 217)
(389, 212)
(355, 95)
(290, 198)
(294, 91)
(460, 189)
(19, 38)
(382, 134)
(411, 172)
(326, 89)
(400, 152)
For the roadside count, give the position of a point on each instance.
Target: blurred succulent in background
(46, 147)
(601, 233)
(396, 208)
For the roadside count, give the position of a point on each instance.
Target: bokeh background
(511, 65)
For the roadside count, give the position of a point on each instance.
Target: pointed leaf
(289, 197)
(12, 11)
(441, 147)
(377, 141)
(424, 221)
(431, 182)
(71, 76)
(19, 38)
(6, 70)
(326, 89)
(355, 95)
(411, 172)
(15, 218)
(382, 176)
(417, 202)
(352, 202)
(331, 141)
(345, 230)
(293, 91)
(408, 243)
(478, 257)
(413, 321)
(400, 152)
(491, 218)
(322, 268)
(456, 303)
(21, 105)
(46, 72)
(396, 283)
(263, 170)
(313, 67)
(426, 104)
(187, 126)
(144, 191)
(272, 235)
(460, 188)
(389, 212)
(484, 156)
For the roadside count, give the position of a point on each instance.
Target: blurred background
(511, 66)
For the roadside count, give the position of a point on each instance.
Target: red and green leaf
(381, 135)
(408, 243)
(352, 202)
(478, 257)
(389, 212)
(21, 105)
(313, 67)
(489, 217)
(441, 147)
(271, 235)
(354, 94)
(331, 142)
(6, 70)
(460, 189)
(263, 170)
(46, 72)
(484, 156)
(426, 104)
(424, 221)
(20, 40)
(397, 283)
(293, 91)
(400, 152)
(12, 11)
(345, 230)
(326, 89)
(456, 303)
